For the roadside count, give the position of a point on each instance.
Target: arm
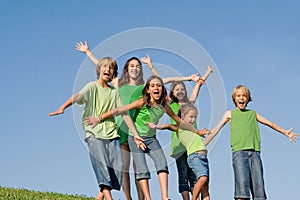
(194, 95)
(170, 127)
(292, 136)
(226, 118)
(193, 77)
(117, 111)
(84, 48)
(147, 60)
(73, 99)
(138, 140)
(183, 124)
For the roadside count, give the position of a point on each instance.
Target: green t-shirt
(147, 114)
(97, 101)
(128, 94)
(176, 146)
(192, 141)
(244, 131)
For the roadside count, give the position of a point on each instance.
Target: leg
(126, 176)
(257, 177)
(142, 173)
(161, 165)
(199, 164)
(198, 186)
(183, 176)
(144, 184)
(204, 192)
(242, 179)
(163, 181)
(137, 185)
(99, 196)
(106, 193)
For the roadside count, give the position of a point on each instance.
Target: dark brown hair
(124, 79)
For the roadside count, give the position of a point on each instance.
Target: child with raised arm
(130, 86)
(245, 144)
(150, 108)
(103, 139)
(196, 150)
(178, 96)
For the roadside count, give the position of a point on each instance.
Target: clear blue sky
(255, 43)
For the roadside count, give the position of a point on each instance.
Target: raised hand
(83, 47)
(146, 60)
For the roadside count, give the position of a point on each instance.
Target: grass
(24, 194)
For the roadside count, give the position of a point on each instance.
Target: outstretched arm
(193, 77)
(226, 117)
(73, 99)
(170, 127)
(194, 95)
(90, 120)
(292, 136)
(185, 125)
(84, 48)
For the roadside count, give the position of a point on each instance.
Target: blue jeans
(186, 177)
(106, 158)
(199, 164)
(248, 175)
(153, 150)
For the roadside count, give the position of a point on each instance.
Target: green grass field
(23, 194)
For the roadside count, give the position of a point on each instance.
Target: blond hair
(107, 61)
(245, 91)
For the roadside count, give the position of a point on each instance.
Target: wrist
(87, 52)
(100, 119)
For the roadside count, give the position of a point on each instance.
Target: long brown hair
(172, 87)
(125, 79)
(146, 96)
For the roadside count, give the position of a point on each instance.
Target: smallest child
(196, 150)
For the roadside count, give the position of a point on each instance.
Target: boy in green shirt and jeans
(245, 144)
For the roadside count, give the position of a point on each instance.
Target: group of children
(112, 139)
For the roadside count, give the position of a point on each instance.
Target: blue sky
(255, 43)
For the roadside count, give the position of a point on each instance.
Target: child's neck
(102, 83)
(132, 82)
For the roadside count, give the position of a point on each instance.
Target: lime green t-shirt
(97, 101)
(192, 141)
(244, 131)
(147, 114)
(128, 94)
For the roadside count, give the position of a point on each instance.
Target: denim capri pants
(199, 164)
(106, 158)
(248, 175)
(153, 150)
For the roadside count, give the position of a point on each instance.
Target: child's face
(155, 89)
(190, 117)
(240, 99)
(134, 69)
(106, 72)
(179, 92)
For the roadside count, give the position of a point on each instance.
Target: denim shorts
(106, 158)
(248, 175)
(186, 176)
(199, 164)
(153, 150)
